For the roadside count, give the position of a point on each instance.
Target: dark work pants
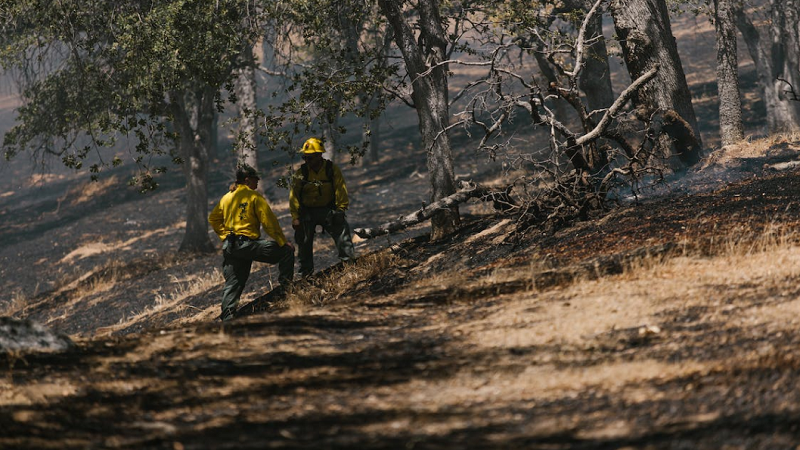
(339, 230)
(238, 256)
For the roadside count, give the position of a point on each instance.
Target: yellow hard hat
(312, 145)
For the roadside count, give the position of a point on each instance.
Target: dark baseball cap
(246, 171)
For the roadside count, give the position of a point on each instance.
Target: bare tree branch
(272, 73)
(791, 90)
(580, 41)
(618, 104)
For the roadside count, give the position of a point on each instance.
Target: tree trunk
(374, 139)
(371, 137)
(644, 30)
(213, 149)
(371, 132)
(429, 93)
(245, 88)
(558, 105)
(731, 129)
(595, 81)
(770, 60)
(195, 140)
(785, 43)
(330, 131)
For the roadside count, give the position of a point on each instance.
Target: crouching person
(319, 197)
(237, 219)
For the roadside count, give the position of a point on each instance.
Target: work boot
(279, 291)
(306, 276)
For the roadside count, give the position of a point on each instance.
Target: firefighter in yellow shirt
(319, 197)
(237, 220)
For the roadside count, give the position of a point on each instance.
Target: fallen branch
(501, 199)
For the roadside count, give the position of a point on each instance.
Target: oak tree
(141, 76)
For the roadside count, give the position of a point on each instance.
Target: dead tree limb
(618, 104)
(502, 200)
(794, 96)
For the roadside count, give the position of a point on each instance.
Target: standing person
(237, 220)
(319, 197)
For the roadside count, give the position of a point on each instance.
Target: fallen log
(502, 200)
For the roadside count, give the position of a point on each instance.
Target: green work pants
(334, 224)
(238, 256)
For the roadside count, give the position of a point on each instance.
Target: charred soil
(667, 323)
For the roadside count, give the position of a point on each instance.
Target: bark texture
(245, 87)
(371, 136)
(644, 30)
(731, 129)
(194, 117)
(422, 53)
(767, 47)
(595, 80)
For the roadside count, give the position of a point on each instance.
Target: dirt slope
(669, 324)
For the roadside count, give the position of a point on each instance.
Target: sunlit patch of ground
(94, 248)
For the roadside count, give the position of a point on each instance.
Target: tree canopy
(95, 72)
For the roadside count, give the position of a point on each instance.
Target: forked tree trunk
(644, 30)
(429, 93)
(195, 139)
(731, 129)
(559, 105)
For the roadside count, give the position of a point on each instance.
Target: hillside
(669, 322)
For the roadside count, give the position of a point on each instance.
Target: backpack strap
(329, 173)
(304, 172)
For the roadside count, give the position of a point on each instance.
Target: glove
(337, 217)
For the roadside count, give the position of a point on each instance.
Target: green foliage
(334, 62)
(99, 74)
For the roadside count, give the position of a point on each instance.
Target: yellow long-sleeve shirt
(317, 190)
(243, 212)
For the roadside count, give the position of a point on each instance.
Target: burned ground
(664, 324)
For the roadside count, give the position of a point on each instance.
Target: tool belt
(236, 238)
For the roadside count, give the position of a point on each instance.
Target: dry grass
(17, 303)
(331, 286)
(94, 247)
(720, 259)
(85, 192)
(94, 288)
(748, 149)
(609, 359)
(748, 285)
(182, 289)
(170, 298)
